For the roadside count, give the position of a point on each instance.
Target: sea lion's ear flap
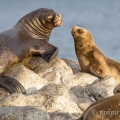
(95, 70)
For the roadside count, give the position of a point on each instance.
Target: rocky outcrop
(58, 89)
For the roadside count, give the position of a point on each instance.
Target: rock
(72, 80)
(3, 92)
(18, 99)
(103, 88)
(37, 64)
(78, 91)
(58, 87)
(61, 116)
(30, 80)
(73, 65)
(23, 113)
(86, 95)
(80, 96)
(58, 99)
(53, 97)
(41, 67)
(52, 77)
(83, 103)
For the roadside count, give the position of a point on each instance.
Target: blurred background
(101, 18)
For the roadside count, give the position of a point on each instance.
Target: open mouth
(58, 23)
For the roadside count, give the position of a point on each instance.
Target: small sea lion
(29, 37)
(104, 109)
(90, 58)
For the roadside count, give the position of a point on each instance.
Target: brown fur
(90, 58)
(105, 109)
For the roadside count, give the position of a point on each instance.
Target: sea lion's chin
(58, 23)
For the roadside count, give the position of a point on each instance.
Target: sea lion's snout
(58, 20)
(73, 31)
(78, 32)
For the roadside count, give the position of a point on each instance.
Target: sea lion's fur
(29, 37)
(104, 109)
(93, 61)
(90, 58)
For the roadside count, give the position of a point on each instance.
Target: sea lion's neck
(84, 47)
(35, 29)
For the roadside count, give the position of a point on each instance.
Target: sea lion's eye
(79, 31)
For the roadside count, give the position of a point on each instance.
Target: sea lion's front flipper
(117, 89)
(12, 85)
(98, 65)
(50, 52)
(45, 50)
(95, 71)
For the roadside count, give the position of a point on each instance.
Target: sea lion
(29, 37)
(104, 109)
(90, 58)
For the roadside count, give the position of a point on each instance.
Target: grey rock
(53, 97)
(61, 116)
(87, 94)
(58, 99)
(58, 87)
(41, 67)
(18, 99)
(72, 80)
(83, 103)
(103, 88)
(23, 113)
(52, 77)
(73, 65)
(3, 92)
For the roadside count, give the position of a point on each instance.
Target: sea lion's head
(49, 18)
(81, 34)
(82, 37)
(40, 22)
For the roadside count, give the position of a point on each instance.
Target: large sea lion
(90, 58)
(29, 37)
(104, 109)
